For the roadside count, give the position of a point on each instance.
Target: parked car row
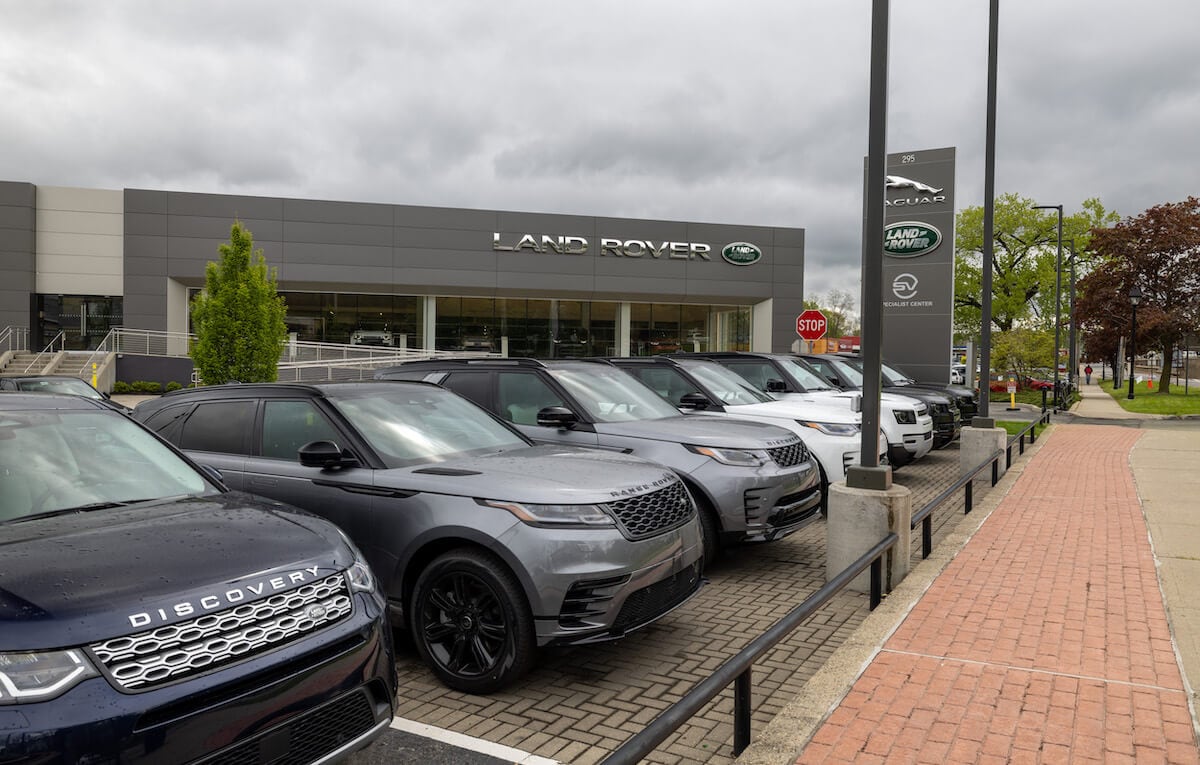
(240, 552)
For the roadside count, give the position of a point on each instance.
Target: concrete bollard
(976, 444)
(858, 519)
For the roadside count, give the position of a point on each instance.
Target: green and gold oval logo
(741, 254)
(908, 239)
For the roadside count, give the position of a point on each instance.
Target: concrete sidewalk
(1061, 628)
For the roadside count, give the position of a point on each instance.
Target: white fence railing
(14, 339)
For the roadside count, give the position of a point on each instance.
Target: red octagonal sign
(810, 325)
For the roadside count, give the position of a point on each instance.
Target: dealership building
(81, 261)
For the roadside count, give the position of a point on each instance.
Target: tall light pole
(983, 418)
(1135, 297)
(1057, 294)
(1073, 331)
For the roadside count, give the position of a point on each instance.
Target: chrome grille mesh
(786, 456)
(648, 514)
(147, 659)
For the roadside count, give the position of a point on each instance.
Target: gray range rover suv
(751, 481)
(485, 545)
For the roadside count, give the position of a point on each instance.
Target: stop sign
(810, 325)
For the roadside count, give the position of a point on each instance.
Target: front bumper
(310, 701)
(604, 586)
(758, 504)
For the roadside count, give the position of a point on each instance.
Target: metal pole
(1057, 295)
(1073, 370)
(989, 209)
(1132, 341)
(869, 474)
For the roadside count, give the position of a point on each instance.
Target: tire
(471, 622)
(710, 531)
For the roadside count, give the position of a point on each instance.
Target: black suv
(150, 615)
(897, 381)
(487, 546)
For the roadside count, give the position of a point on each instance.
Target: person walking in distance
(1087, 374)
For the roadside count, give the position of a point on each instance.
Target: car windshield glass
(728, 386)
(65, 385)
(61, 460)
(848, 370)
(414, 424)
(804, 375)
(894, 376)
(610, 395)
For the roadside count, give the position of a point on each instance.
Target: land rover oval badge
(741, 254)
(908, 239)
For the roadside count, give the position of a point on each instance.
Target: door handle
(260, 481)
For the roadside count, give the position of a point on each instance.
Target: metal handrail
(16, 338)
(737, 669)
(1031, 429)
(48, 349)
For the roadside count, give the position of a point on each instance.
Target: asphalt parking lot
(581, 703)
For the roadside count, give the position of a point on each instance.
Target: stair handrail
(59, 339)
(15, 338)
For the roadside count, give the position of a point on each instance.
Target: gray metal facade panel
(640, 288)
(145, 224)
(783, 328)
(733, 288)
(336, 233)
(442, 279)
(299, 254)
(336, 273)
(17, 194)
(201, 227)
(520, 223)
(661, 230)
(789, 237)
(552, 264)
(225, 206)
(145, 266)
(17, 216)
(536, 284)
(144, 285)
(449, 260)
(757, 273)
(465, 240)
(351, 213)
(445, 217)
(137, 246)
(145, 201)
(17, 239)
(643, 267)
(787, 279)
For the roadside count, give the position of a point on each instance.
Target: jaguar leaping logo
(900, 182)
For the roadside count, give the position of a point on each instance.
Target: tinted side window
(825, 369)
(756, 372)
(165, 422)
(521, 395)
(288, 425)
(475, 386)
(219, 426)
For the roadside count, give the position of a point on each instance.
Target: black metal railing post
(970, 492)
(741, 711)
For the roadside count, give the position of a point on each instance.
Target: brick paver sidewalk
(1044, 640)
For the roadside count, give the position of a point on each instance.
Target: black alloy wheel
(471, 622)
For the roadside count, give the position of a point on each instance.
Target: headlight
(360, 577)
(557, 516)
(832, 428)
(736, 457)
(29, 677)
(905, 416)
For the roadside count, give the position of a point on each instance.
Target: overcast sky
(744, 112)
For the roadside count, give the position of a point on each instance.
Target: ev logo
(904, 286)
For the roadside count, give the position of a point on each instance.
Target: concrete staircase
(21, 361)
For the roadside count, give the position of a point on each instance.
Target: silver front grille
(165, 654)
(649, 514)
(787, 456)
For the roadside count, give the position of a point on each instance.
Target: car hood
(891, 400)
(829, 410)
(74, 579)
(724, 432)
(548, 474)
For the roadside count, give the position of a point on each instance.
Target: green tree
(1159, 251)
(1024, 249)
(238, 316)
(1021, 351)
(838, 307)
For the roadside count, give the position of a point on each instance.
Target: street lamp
(1135, 297)
(1057, 293)
(1073, 331)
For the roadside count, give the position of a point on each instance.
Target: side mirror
(324, 455)
(776, 386)
(556, 417)
(213, 474)
(695, 401)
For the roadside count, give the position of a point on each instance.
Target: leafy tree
(1025, 250)
(1159, 251)
(1022, 350)
(238, 316)
(838, 307)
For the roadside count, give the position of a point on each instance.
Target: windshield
(62, 460)
(64, 385)
(730, 388)
(894, 376)
(409, 425)
(608, 394)
(804, 375)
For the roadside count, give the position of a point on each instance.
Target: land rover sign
(908, 239)
(741, 254)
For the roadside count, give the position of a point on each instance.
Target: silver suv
(752, 481)
(486, 546)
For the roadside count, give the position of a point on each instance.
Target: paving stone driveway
(581, 703)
